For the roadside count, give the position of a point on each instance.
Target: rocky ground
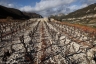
(40, 41)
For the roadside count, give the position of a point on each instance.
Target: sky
(47, 7)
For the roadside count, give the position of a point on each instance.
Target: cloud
(46, 4)
(61, 9)
(51, 7)
(10, 5)
(47, 7)
(6, 4)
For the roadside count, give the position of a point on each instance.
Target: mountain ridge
(91, 9)
(15, 13)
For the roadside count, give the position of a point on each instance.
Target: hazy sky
(47, 7)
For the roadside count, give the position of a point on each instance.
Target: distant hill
(84, 16)
(58, 17)
(15, 13)
(32, 15)
(91, 9)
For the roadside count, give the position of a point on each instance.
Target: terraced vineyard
(39, 41)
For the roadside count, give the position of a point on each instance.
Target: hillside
(15, 13)
(85, 16)
(91, 9)
(32, 15)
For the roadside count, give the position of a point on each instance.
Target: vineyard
(39, 41)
